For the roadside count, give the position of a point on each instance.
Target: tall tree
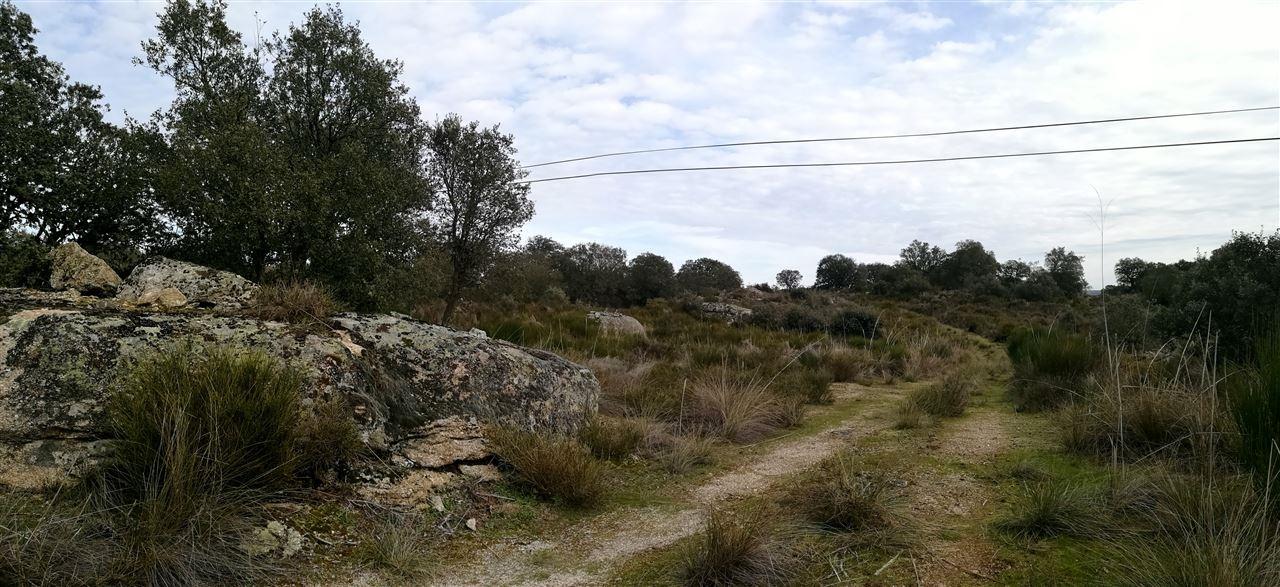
(968, 265)
(1067, 270)
(65, 172)
(481, 201)
(595, 273)
(837, 272)
(788, 279)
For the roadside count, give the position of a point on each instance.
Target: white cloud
(571, 79)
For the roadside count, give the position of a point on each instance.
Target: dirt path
(584, 553)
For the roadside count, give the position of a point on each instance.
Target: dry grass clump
(1201, 531)
(1053, 508)
(946, 398)
(737, 548)
(327, 439)
(845, 496)
(300, 302)
(612, 438)
(624, 390)
(909, 415)
(399, 546)
(556, 467)
(734, 409)
(1142, 420)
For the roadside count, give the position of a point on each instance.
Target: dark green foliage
(649, 276)
(1254, 403)
(969, 263)
(1067, 270)
(802, 319)
(595, 273)
(556, 467)
(24, 260)
(788, 279)
(708, 277)
(480, 203)
(838, 272)
(896, 281)
(854, 322)
(313, 166)
(65, 173)
(736, 549)
(1049, 366)
(922, 257)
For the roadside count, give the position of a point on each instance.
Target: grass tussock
(844, 496)
(298, 302)
(1053, 508)
(734, 409)
(399, 546)
(611, 438)
(737, 548)
(1200, 531)
(556, 467)
(1253, 402)
(681, 454)
(1144, 418)
(909, 415)
(1050, 366)
(946, 398)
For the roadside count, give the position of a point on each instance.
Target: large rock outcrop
(418, 392)
(199, 285)
(727, 312)
(71, 267)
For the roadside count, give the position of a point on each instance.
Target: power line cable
(901, 136)
(897, 161)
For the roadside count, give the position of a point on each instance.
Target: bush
(1254, 404)
(800, 319)
(327, 439)
(555, 467)
(1049, 366)
(1141, 419)
(24, 261)
(299, 302)
(946, 398)
(736, 549)
(612, 438)
(813, 385)
(854, 322)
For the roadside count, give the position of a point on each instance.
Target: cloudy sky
(577, 78)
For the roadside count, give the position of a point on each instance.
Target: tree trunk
(451, 303)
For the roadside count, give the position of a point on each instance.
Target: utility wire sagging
(906, 135)
(899, 161)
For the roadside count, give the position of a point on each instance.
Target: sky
(570, 79)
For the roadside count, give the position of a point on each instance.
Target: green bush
(947, 398)
(612, 438)
(1254, 403)
(1049, 366)
(24, 260)
(801, 319)
(854, 322)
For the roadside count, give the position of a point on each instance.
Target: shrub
(327, 439)
(947, 398)
(300, 302)
(800, 319)
(854, 322)
(813, 385)
(612, 438)
(735, 410)
(1052, 508)
(736, 549)
(1049, 366)
(24, 260)
(847, 497)
(554, 466)
(845, 364)
(1254, 404)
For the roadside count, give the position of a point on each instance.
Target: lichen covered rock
(419, 394)
(730, 313)
(200, 285)
(74, 268)
(616, 323)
